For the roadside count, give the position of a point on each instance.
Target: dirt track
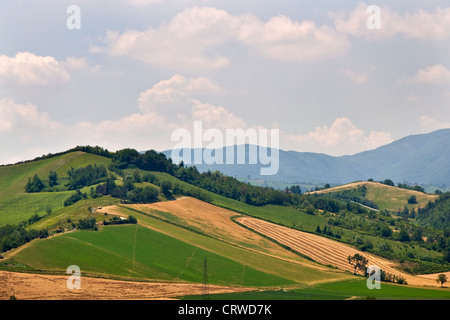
(25, 286)
(326, 251)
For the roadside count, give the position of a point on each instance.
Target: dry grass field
(26, 286)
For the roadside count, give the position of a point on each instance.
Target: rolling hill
(386, 197)
(184, 226)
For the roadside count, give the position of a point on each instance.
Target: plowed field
(324, 250)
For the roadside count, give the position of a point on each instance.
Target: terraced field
(324, 250)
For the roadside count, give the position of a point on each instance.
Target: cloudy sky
(128, 73)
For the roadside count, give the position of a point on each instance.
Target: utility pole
(205, 280)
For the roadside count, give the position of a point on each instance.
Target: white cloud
(428, 124)
(420, 24)
(23, 127)
(176, 93)
(284, 39)
(80, 64)
(28, 69)
(341, 138)
(216, 117)
(437, 74)
(22, 120)
(188, 42)
(198, 38)
(150, 130)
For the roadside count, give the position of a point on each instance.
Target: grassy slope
(355, 289)
(16, 205)
(136, 252)
(387, 197)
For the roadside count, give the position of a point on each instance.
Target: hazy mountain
(422, 159)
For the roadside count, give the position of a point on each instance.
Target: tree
(52, 179)
(358, 262)
(442, 278)
(412, 199)
(403, 236)
(166, 186)
(388, 182)
(34, 185)
(417, 235)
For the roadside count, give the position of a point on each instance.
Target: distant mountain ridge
(420, 159)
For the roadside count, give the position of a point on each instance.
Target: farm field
(324, 250)
(341, 290)
(135, 252)
(27, 286)
(209, 220)
(386, 197)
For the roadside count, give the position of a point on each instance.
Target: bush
(74, 198)
(87, 224)
(34, 185)
(118, 220)
(143, 195)
(412, 199)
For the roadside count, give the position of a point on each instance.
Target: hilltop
(384, 196)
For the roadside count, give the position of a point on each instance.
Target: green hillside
(136, 252)
(16, 205)
(159, 248)
(384, 196)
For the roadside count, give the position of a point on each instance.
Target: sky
(335, 77)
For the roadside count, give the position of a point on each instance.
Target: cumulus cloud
(197, 38)
(188, 42)
(437, 74)
(31, 126)
(23, 119)
(26, 68)
(216, 117)
(149, 128)
(341, 138)
(176, 93)
(80, 64)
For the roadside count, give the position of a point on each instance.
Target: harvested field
(326, 251)
(208, 219)
(25, 286)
